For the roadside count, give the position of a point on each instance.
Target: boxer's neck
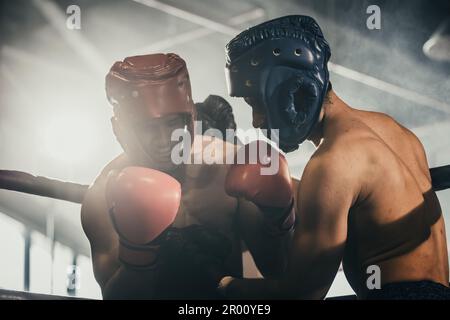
(177, 172)
(332, 106)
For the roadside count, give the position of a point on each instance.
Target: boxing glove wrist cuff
(137, 256)
(281, 223)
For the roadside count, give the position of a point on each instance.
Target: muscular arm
(100, 233)
(112, 277)
(269, 252)
(324, 198)
(115, 280)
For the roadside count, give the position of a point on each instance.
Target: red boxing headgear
(150, 86)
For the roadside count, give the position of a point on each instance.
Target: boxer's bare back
(389, 215)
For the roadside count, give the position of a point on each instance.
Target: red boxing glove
(272, 193)
(143, 204)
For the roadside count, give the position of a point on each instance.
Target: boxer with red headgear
(157, 229)
(151, 96)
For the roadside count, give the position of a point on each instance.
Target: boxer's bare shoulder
(118, 163)
(402, 142)
(362, 138)
(94, 198)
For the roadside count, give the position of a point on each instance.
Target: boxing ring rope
(41, 186)
(440, 176)
(74, 192)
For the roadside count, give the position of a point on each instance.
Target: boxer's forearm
(272, 254)
(276, 239)
(268, 251)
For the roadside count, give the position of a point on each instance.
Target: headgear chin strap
(283, 64)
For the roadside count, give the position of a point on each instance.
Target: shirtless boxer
(365, 197)
(141, 213)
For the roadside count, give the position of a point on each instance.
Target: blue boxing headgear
(282, 63)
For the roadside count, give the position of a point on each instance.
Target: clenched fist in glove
(270, 191)
(143, 204)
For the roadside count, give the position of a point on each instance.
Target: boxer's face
(259, 118)
(258, 111)
(154, 138)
